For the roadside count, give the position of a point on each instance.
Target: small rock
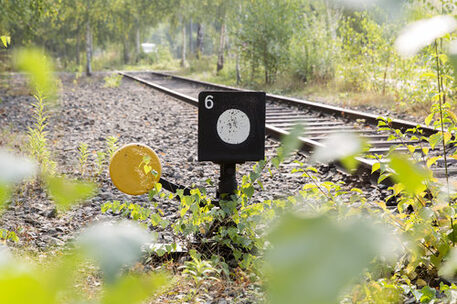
(52, 213)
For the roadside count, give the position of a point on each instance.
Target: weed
(199, 270)
(113, 81)
(83, 155)
(136, 212)
(100, 161)
(37, 136)
(111, 143)
(7, 235)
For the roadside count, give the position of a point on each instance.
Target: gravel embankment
(89, 113)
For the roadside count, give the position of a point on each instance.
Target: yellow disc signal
(135, 169)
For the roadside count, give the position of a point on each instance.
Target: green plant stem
(441, 100)
(326, 194)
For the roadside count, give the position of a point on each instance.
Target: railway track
(320, 120)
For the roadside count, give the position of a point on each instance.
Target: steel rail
(372, 119)
(306, 143)
(172, 187)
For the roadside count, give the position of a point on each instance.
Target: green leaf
(425, 150)
(39, 68)
(447, 137)
(155, 219)
(114, 246)
(428, 75)
(260, 184)
(275, 161)
(5, 193)
(435, 139)
(349, 162)
(164, 223)
(343, 147)
(133, 289)
(428, 294)
(14, 168)
(160, 252)
(407, 173)
(449, 268)
(66, 192)
(432, 160)
(383, 176)
(422, 33)
(13, 282)
(6, 40)
(249, 191)
(291, 141)
(375, 167)
(314, 259)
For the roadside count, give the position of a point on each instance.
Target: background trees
(256, 41)
(266, 33)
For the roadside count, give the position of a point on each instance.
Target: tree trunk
(191, 47)
(125, 51)
(183, 50)
(220, 58)
(237, 67)
(137, 43)
(268, 69)
(78, 44)
(254, 64)
(199, 46)
(88, 50)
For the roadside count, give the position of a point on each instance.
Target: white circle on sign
(233, 126)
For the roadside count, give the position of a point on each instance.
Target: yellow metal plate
(135, 169)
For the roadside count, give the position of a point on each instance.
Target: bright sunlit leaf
(133, 289)
(449, 268)
(39, 68)
(5, 193)
(66, 192)
(291, 141)
(375, 167)
(314, 259)
(6, 40)
(5, 255)
(410, 175)
(421, 33)
(431, 161)
(114, 245)
(452, 54)
(342, 147)
(20, 286)
(14, 168)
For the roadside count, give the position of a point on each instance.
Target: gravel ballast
(88, 112)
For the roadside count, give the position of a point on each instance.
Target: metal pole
(227, 179)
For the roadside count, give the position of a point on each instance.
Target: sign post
(231, 130)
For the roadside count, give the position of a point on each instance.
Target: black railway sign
(231, 126)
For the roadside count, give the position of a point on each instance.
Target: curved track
(282, 113)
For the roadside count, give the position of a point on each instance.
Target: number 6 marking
(209, 103)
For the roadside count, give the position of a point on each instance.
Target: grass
(329, 93)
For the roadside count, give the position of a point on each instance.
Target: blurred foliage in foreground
(336, 245)
(112, 246)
